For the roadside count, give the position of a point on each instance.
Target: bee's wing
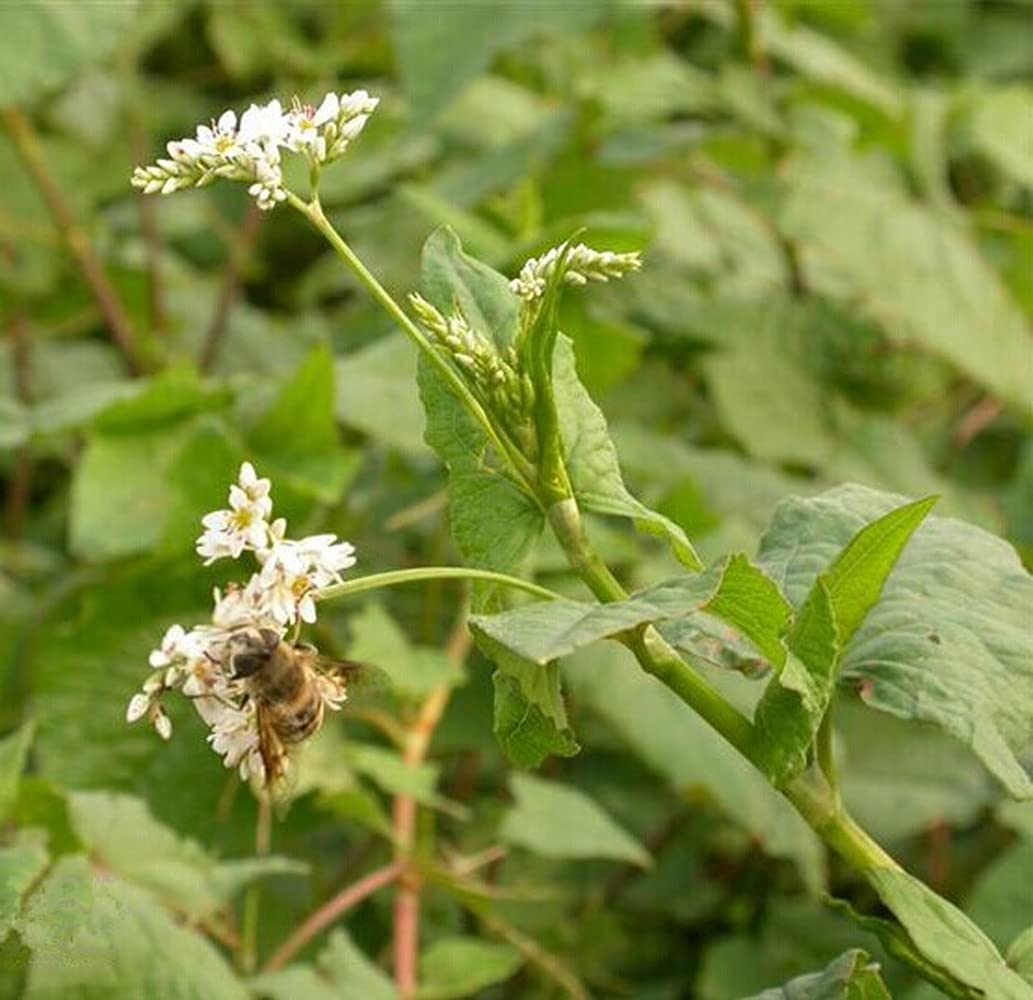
(275, 757)
(365, 684)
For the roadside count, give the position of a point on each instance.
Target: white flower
(218, 139)
(265, 125)
(326, 558)
(234, 734)
(162, 723)
(170, 650)
(287, 586)
(243, 525)
(139, 705)
(306, 133)
(581, 264)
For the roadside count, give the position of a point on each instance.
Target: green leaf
(456, 967)
(434, 68)
(559, 821)
(852, 976)
(43, 46)
(414, 670)
(946, 937)
(374, 393)
(99, 938)
(120, 495)
(955, 609)
(494, 521)
(298, 434)
(592, 463)
(530, 715)
(341, 969)
(452, 278)
(14, 752)
(797, 698)
(901, 779)
(120, 831)
(1020, 955)
(764, 395)
(21, 863)
(651, 721)
(732, 589)
(970, 319)
(1002, 130)
(1001, 901)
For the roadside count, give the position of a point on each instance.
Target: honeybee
(290, 686)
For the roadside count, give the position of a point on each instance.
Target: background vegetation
(836, 204)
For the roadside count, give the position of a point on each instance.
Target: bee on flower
(258, 692)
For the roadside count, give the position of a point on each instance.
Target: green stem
(650, 649)
(377, 580)
(825, 752)
(314, 213)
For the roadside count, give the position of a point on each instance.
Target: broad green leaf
(100, 938)
(389, 771)
(455, 967)
(653, 723)
(14, 752)
(1020, 955)
(530, 714)
(120, 832)
(946, 937)
(494, 522)
(453, 278)
(733, 590)
(414, 670)
(1002, 129)
(525, 642)
(956, 609)
(375, 393)
(341, 969)
(21, 863)
(852, 976)
(42, 46)
(900, 779)
(165, 399)
(1001, 901)
(559, 821)
(592, 463)
(120, 495)
(927, 285)
(797, 698)
(766, 398)
(434, 68)
(298, 434)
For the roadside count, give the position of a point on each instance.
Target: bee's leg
(215, 697)
(297, 631)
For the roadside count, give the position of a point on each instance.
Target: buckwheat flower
(139, 705)
(170, 650)
(234, 734)
(287, 586)
(243, 525)
(581, 264)
(306, 134)
(326, 558)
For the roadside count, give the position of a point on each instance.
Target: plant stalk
(376, 581)
(313, 211)
(26, 142)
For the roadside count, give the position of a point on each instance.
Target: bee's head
(250, 651)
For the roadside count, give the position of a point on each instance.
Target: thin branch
(322, 918)
(239, 254)
(26, 142)
(20, 485)
(407, 901)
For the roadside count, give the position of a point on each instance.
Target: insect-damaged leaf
(949, 641)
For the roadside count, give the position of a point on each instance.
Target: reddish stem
(25, 141)
(345, 900)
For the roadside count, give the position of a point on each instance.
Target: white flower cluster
(280, 594)
(250, 150)
(581, 264)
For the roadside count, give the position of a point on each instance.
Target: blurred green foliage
(835, 201)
